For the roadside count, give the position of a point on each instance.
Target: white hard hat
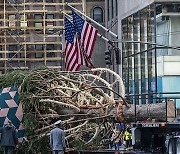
(58, 122)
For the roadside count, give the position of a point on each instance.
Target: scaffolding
(30, 33)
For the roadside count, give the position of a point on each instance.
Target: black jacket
(8, 136)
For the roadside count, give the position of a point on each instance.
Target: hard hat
(58, 122)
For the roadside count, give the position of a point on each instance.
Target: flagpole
(100, 36)
(107, 30)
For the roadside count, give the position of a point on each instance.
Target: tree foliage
(82, 100)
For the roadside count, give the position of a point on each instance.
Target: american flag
(72, 47)
(87, 34)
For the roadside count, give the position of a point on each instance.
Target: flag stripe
(72, 47)
(93, 40)
(87, 34)
(87, 37)
(88, 45)
(73, 60)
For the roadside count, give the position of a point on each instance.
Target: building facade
(149, 32)
(31, 32)
(113, 54)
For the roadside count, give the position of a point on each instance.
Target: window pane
(50, 54)
(12, 55)
(49, 1)
(38, 24)
(23, 17)
(23, 24)
(12, 47)
(12, 22)
(98, 14)
(50, 16)
(39, 55)
(39, 47)
(50, 47)
(38, 16)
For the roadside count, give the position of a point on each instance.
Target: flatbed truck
(156, 137)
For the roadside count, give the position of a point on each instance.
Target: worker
(9, 139)
(57, 139)
(128, 137)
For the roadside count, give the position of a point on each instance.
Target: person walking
(115, 139)
(9, 139)
(57, 139)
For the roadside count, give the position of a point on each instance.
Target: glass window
(49, 1)
(38, 16)
(12, 55)
(50, 23)
(139, 58)
(39, 47)
(1, 21)
(38, 0)
(23, 21)
(108, 10)
(98, 14)
(38, 23)
(12, 22)
(22, 55)
(116, 5)
(50, 47)
(12, 47)
(50, 54)
(38, 54)
(49, 16)
(112, 8)
(12, 1)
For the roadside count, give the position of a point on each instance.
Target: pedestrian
(57, 139)
(121, 127)
(9, 139)
(115, 138)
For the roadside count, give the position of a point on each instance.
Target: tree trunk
(158, 111)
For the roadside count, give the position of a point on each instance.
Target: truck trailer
(158, 137)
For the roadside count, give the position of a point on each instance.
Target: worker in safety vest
(128, 137)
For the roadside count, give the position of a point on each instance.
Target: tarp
(11, 110)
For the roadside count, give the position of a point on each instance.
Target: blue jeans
(58, 152)
(8, 150)
(116, 146)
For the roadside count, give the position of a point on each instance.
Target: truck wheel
(172, 146)
(178, 145)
